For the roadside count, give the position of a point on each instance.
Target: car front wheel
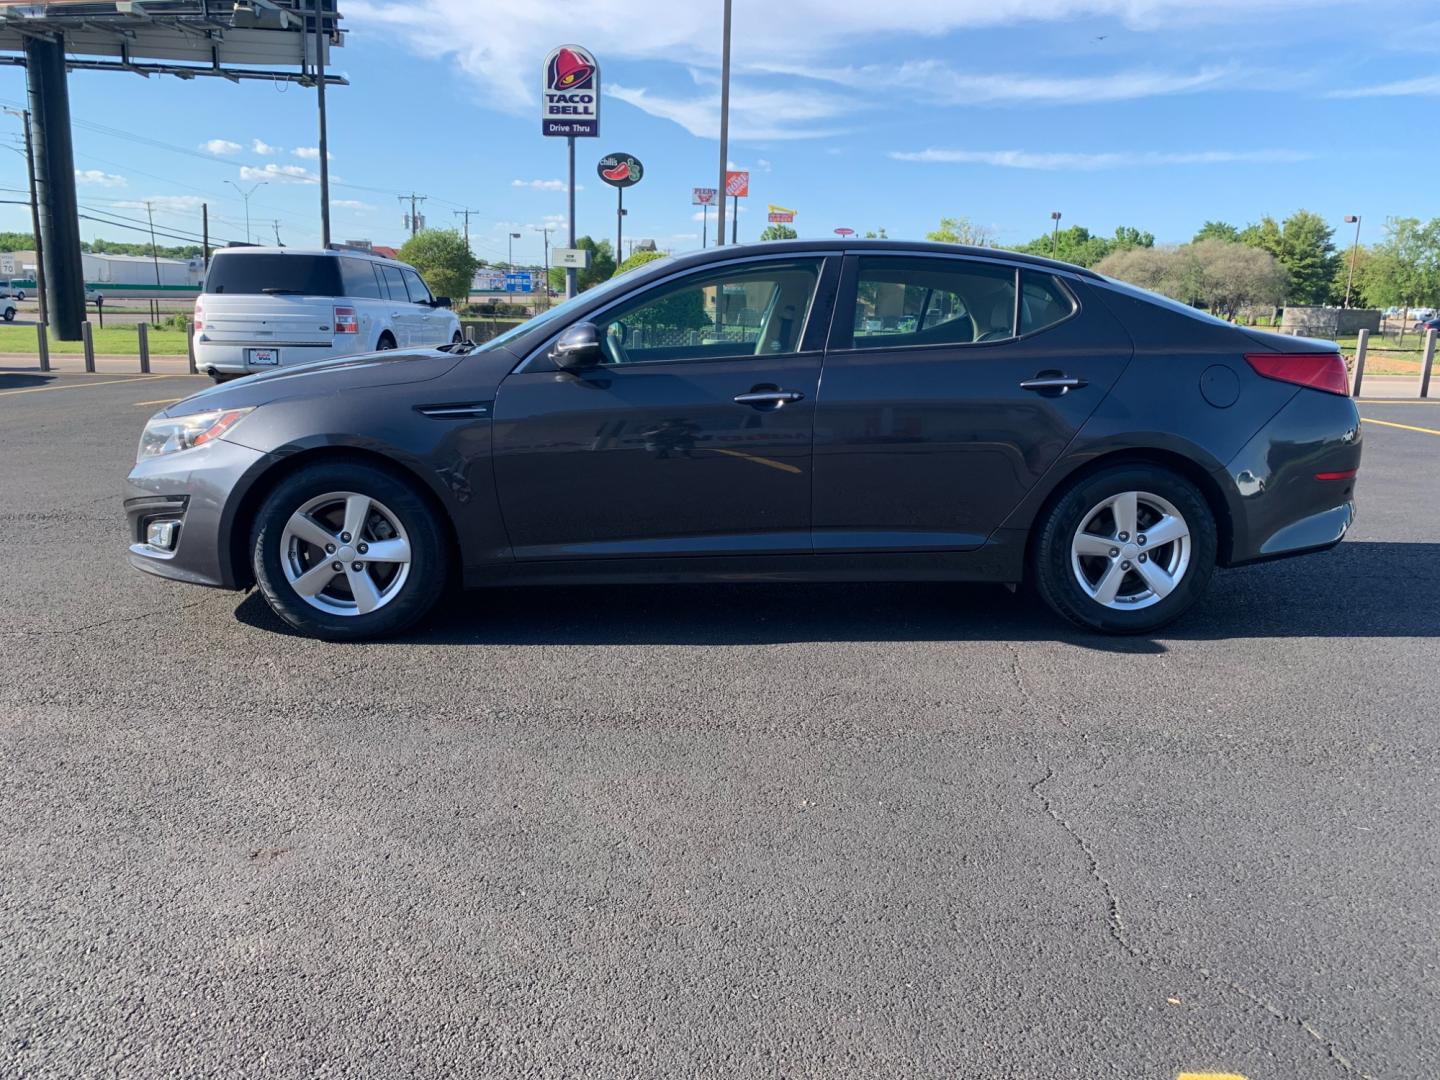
(345, 551)
(1126, 550)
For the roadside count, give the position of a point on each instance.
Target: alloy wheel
(345, 553)
(1131, 550)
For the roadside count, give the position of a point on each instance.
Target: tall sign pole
(322, 42)
(620, 171)
(724, 124)
(570, 108)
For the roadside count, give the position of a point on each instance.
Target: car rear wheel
(385, 343)
(345, 551)
(456, 338)
(9, 314)
(1126, 550)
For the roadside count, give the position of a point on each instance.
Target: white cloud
(284, 174)
(1425, 86)
(162, 203)
(351, 204)
(557, 219)
(944, 84)
(221, 147)
(311, 153)
(762, 164)
(263, 148)
(1089, 162)
(755, 114)
(545, 185)
(99, 178)
(699, 215)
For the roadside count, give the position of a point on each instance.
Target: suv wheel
(346, 551)
(1127, 550)
(385, 343)
(9, 314)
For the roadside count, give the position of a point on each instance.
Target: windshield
(558, 313)
(253, 274)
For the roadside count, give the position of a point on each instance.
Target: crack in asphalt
(116, 621)
(1120, 933)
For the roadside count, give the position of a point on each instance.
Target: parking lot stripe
(1210, 1076)
(1402, 427)
(161, 401)
(79, 386)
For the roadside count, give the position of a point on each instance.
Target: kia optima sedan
(792, 411)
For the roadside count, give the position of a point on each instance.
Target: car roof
(256, 249)
(876, 247)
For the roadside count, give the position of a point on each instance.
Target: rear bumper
(1281, 504)
(232, 359)
(197, 489)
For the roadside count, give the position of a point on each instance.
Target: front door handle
(761, 398)
(1053, 383)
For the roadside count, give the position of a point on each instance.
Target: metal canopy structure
(275, 40)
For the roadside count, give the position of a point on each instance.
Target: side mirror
(442, 301)
(577, 348)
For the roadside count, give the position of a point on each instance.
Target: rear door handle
(1062, 383)
(769, 397)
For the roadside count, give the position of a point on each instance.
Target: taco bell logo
(570, 93)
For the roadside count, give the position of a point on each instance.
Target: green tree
(444, 261)
(1304, 246)
(778, 232)
(1127, 237)
(1404, 268)
(1220, 275)
(601, 268)
(876, 234)
(639, 258)
(1218, 230)
(17, 241)
(960, 230)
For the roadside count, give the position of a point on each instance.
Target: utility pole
(724, 124)
(277, 234)
(24, 115)
(205, 235)
(246, 196)
(413, 218)
(466, 215)
(1055, 235)
(320, 45)
(546, 279)
(154, 258)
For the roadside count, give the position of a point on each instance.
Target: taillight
(1319, 371)
(345, 321)
(199, 315)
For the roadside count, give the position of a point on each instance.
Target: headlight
(171, 434)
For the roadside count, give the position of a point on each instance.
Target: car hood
(324, 377)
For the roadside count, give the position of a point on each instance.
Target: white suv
(268, 307)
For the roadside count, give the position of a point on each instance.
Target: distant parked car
(263, 308)
(12, 290)
(94, 296)
(1427, 324)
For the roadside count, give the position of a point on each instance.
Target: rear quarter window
(359, 278)
(1043, 302)
(244, 274)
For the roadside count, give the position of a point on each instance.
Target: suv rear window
(303, 275)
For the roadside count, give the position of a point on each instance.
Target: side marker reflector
(1347, 474)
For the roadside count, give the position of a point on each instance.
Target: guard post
(42, 341)
(1361, 345)
(88, 338)
(143, 331)
(1427, 362)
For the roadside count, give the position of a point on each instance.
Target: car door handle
(769, 397)
(1062, 383)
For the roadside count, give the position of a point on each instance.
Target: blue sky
(1153, 113)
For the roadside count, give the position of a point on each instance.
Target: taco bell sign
(570, 93)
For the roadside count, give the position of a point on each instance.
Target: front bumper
(198, 489)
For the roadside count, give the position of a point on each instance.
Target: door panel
(649, 453)
(929, 447)
(656, 459)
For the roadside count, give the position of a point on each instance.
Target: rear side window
(901, 302)
(1043, 301)
(254, 274)
(358, 276)
(419, 294)
(394, 283)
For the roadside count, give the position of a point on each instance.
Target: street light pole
(1354, 249)
(510, 250)
(246, 196)
(724, 124)
(1055, 235)
(546, 230)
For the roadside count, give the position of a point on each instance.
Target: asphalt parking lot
(889, 831)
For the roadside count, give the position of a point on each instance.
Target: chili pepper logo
(570, 71)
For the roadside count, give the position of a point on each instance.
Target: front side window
(920, 301)
(754, 309)
(419, 294)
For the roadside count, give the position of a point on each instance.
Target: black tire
(1055, 577)
(386, 342)
(456, 338)
(9, 314)
(428, 567)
